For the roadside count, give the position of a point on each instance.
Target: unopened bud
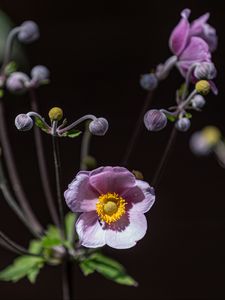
(202, 87)
(205, 70)
(29, 32)
(55, 114)
(40, 73)
(23, 122)
(199, 145)
(183, 124)
(17, 82)
(155, 120)
(99, 126)
(149, 82)
(198, 101)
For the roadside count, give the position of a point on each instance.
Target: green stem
(85, 148)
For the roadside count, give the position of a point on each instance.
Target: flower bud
(205, 70)
(212, 135)
(149, 82)
(183, 124)
(99, 126)
(199, 145)
(17, 82)
(202, 87)
(29, 32)
(155, 120)
(40, 73)
(198, 101)
(23, 122)
(55, 114)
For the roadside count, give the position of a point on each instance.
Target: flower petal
(80, 196)
(127, 231)
(89, 230)
(112, 179)
(142, 196)
(197, 25)
(179, 35)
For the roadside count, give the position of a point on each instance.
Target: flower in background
(192, 43)
(112, 202)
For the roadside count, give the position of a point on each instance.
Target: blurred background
(96, 52)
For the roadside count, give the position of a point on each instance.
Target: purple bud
(17, 82)
(205, 70)
(198, 101)
(199, 145)
(149, 82)
(23, 122)
(29, 32)
(155, 120)
(183, 124)
(99, 126)
(40, 73)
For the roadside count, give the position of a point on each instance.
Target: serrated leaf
(70, 220)
(35, 246)
(21, 267)
(39, 123)
(73, 133)
(52, 237)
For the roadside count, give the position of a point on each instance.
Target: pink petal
(80, 196)
(112, 179)
(179, 36)
(89, 230)
(197, 25)
(127, 231)
(142, 196)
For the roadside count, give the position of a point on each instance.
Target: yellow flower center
(110, 207)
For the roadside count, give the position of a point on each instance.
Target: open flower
(112, 202)
(192, 43)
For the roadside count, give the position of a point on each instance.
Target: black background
(96, 51)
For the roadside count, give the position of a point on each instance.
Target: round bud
(40, 73)
(55, 114)
(202, 87)
(199, 145)
(99, 126)
(17, 82)
(29, 32)
(149, 82)
(198, 101)
(183, 124)
(23, 122)
(211, 135)
(205, 70)
(155, 120)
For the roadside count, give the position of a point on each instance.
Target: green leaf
(21, 267)
(73, 133)
(35, 247)
(10, 68)
(52, 237)
(107, 267)
(40, 123)
(182, 89)
(32, 276)
(170, 117)
(70, 220)
(188, 115)
(1, 93)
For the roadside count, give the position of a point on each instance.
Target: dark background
(96, 51)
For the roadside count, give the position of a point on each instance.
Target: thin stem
(11, 201)
(57, 164)
(67, 280)
(42, 165)
(13, 245)
(164, 159)
(85, 148)
(138, 127)
(71, 126)
(187, 101)
(13, 175)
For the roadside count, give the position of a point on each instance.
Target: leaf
(10, 68)
(52, 237)
(41, 124)
(108, 267)
(73, 133)
(1, 93)
(170, 117)
(32, 276)
(70, 220)
(182, 90)
(21, 267)
(188, 115)
(35, 246)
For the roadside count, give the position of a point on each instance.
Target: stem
(66, 280)
(85, 148)
(138, 127)
(164, 159)
(11, 201)
(14, 246)
(13, 175)
(71, 126)
(56, 157)
(42, 164)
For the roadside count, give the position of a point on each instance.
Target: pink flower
(192, 43)
(112, 202)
